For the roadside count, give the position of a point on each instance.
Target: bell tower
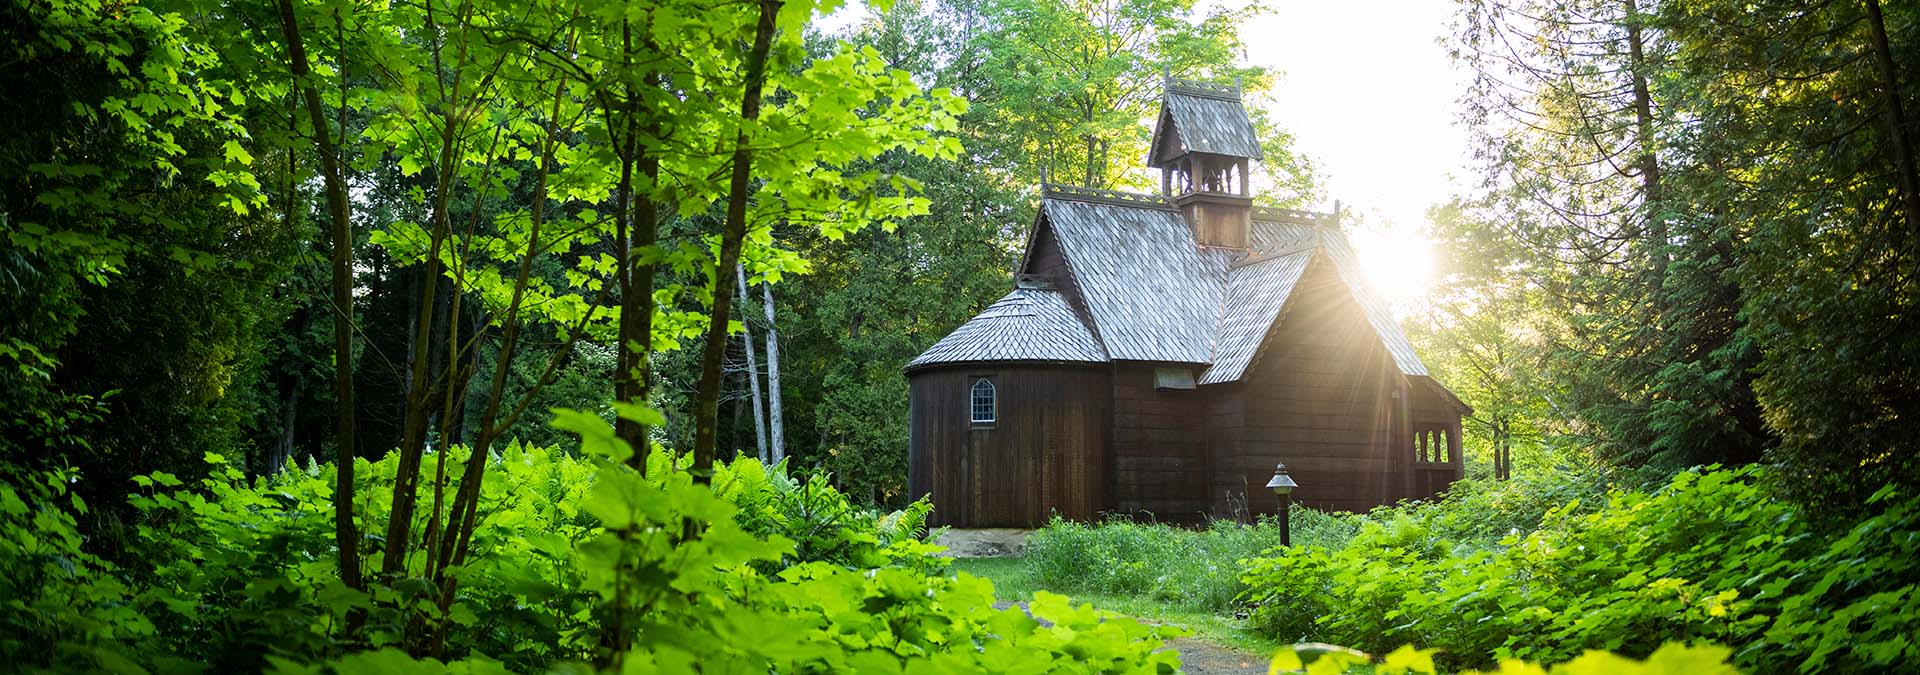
(1204, 145)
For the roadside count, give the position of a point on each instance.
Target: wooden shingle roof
(1028, 324)
(1203, 117)
(1152, 294)
(1255, 295)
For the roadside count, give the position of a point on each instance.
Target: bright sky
(1369, 93)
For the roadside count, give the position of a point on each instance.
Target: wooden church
(1159, 354)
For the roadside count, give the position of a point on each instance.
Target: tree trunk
(406, 476)
(1656, 221)
(707, 408)
(777, 420)
(633, 356)
(345, 536)
(1897, 121)
(753, 369)
(289, 419)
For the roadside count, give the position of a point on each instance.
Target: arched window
(983, 401)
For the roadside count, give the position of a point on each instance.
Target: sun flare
(1398, 260)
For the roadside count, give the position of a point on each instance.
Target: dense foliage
(580, 553)
(285, 288)
(1716, 555)
(1694, 235)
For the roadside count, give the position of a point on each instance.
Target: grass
(1185, 577)
(1015, 579)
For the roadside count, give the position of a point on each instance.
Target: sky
(1369, 94)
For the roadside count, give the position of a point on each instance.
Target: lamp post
(1282, 486)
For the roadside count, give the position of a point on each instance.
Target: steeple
(1204, 145)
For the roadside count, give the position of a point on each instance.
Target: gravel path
(1200, 657)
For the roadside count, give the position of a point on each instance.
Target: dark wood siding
(1320, 397)
(1159, 467)
(1045, 452)
(1436, 452)
(1048, 261)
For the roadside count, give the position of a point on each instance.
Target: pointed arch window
(983, 397)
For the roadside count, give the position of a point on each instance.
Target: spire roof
(1204, 118)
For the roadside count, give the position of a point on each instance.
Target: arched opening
(983, 407)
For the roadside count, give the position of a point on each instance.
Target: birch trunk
(753, 369)
(776, 421)
(707, 401)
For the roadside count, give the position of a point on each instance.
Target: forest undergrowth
(1544, 568)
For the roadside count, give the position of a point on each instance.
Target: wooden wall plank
(1046, 451)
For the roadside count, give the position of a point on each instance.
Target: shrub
(1711, 556)
(59, 605)
(578, 560)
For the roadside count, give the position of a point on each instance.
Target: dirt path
(1200, 657)
(1197, 656)
(984, 543)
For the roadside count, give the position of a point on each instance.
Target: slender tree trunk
(753, 369)
(345, 536)
(1897, 120)
(707, 408)
(633, 355)
(625, 373)
(447, 547)
(645, 231)
(406, 479)
(1656, 220)
(777, 420)
(289, 420)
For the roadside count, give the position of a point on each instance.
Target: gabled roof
(1150, 293)
(1201, 117)
(1269, 236)
(1255, 295)
(1028, 324)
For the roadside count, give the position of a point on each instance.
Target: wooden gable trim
(1162, 124)
(1068, 287)
(1033, 236)
(1310, 241)
(1446, 394)
(1266, 339)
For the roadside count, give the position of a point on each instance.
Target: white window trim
(973, 401)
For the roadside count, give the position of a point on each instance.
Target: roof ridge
(1100, 196)
(1275, 214)
(1203, 89)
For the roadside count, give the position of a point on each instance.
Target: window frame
(973, 402)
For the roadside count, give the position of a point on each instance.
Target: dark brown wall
(1320, 399)
(1159, 463)
(1437, 421)
(1045, 452)
(1050, 261)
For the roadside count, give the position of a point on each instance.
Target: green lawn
(1013, 580)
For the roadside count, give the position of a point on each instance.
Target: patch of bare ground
(984, 543)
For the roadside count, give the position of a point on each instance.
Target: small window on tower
(983, 401)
